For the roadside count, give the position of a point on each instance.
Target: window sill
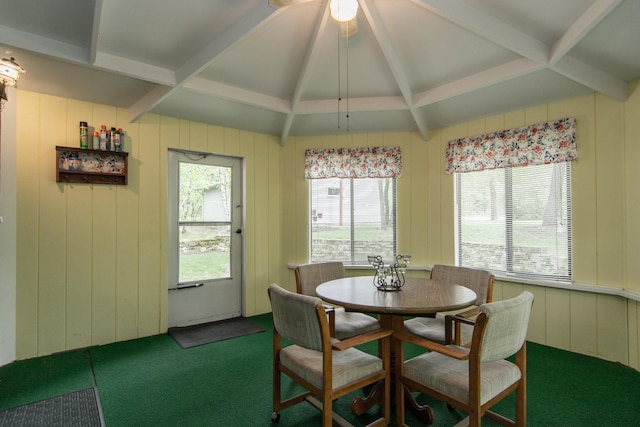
(630, 294)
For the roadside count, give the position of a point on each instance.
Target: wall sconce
(343, 10)
(9, 74)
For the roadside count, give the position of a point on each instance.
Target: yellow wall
(606, 205)
(91, 259)
(91, 263)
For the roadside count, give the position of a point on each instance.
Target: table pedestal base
(360, 405)
(423, 413)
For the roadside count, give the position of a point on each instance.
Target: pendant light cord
(339, 75)
(340, 72)
(348, 129)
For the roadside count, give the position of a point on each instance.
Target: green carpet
(28, 381)
(153, 382)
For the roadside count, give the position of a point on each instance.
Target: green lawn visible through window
(208, 264)
(372, 232)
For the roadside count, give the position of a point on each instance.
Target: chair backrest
(506, 327)
(309, 276)
(295, 317)
(479, 281)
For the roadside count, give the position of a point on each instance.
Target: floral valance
(367, 162)
(550, 142)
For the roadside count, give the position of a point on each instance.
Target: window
(352, 218)
(516, 220)
(353, 202)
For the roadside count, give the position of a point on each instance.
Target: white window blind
(352, 218)
(516, 220)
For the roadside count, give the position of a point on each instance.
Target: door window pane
(204, 252)
(205, 222)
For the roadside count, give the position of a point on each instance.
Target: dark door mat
(80, 408)
(191, 336)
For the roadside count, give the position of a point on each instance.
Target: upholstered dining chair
(326, 367)
(345, 324)
(474, 379)
(433, 328)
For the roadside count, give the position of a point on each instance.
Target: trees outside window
(516, 220)
(352, 218)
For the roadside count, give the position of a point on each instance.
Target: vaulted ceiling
(412, 65)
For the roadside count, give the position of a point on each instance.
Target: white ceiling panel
(411, 65)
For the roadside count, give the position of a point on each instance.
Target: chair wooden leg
(399, 391)
(521, 391)
(475, 419)
(327, 411)
(277, 378)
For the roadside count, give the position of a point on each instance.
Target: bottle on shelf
(103, 138)
(121, 132)
(95, 140)
(113, 138)
(84, 135)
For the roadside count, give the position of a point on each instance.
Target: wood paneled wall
(606, 204)
(91, 260)
(91, 263)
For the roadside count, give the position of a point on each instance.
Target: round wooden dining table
(418, 297)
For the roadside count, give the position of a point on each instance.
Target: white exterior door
(205, 238)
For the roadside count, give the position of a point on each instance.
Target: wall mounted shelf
(85, 166)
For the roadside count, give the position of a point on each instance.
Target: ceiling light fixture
(9, 74)
(343, 10)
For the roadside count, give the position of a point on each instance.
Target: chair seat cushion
(348, 365)
(432, 328)
(350, 324)
(451, 376)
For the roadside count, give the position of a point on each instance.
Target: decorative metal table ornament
(391, 277)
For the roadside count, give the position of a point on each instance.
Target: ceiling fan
(348, 27)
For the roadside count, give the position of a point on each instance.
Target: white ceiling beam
(303, 75)
(257, 99)
(236, 94)
(321, 106)
(78, 55)
(490, 77)
(592, 77)
(502, 34)
(581, 27)
(42, 45)
(140, 107)
(136, 69)
(397, 69)
(95, 31)
(254, 20)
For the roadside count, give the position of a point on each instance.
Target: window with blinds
(516, 220)
(352, 218)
